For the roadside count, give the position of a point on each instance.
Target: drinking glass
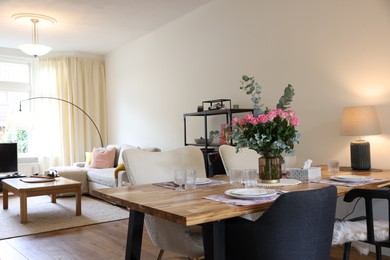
(190, 179)
(235, 177)
(180, 179)
(333, 166)
(249, 177)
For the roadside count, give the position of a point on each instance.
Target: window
(15, 85)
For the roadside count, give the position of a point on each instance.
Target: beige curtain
(62, 132)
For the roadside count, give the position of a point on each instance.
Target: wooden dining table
(190, 207)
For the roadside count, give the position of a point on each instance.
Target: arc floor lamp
(70, 103)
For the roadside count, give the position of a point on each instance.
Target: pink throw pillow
(103, 158)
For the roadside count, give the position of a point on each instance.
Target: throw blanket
(353, 231)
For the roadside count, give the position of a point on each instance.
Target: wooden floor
(101, 241)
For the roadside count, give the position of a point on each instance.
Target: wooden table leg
(5, 198)
(214, 240)
(54, 198)
(78, 202)
(134, 235)
(23, 207)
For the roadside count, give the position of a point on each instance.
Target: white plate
(249, 192)
(350, 178)
(200, 181)
(233, 193)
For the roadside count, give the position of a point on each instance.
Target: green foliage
(252, 88)
(214, 133)
(287, 98)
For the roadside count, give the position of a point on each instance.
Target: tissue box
(304, 174)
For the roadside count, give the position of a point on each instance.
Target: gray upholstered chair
(150, 167)
(244, 159)
(298, 225)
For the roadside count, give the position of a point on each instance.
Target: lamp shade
(34, 49)
(360, 121)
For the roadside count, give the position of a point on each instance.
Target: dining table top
(190, 207)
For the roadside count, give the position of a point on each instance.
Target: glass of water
(235, 177)
(180, 178)
(191, 179)
(250, 178)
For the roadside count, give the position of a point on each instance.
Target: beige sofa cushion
(102, 176)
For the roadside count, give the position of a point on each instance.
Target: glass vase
(270, 169)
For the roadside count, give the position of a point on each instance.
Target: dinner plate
(350, 178)
(252, 193)
(200, 181)
(249, 192)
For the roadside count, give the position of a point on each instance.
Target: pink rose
(235, 120)
(272, 114)
(294, 120)
(284, 114)
(263, 118)
(291, 113)
(254, 121)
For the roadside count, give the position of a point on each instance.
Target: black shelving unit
(207, 148)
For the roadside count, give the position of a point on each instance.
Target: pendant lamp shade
(34, 49)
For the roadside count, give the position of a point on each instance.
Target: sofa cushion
(117, 151)
(102, 176)
(103, 158)
(88, 158)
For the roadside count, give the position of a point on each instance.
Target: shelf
(211, 148)
(219, 112)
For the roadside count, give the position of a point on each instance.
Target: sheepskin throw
(356, 231)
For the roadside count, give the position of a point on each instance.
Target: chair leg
(347, 248)
(160, 254)
(378, 251)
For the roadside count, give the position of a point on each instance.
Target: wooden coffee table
(24, 190)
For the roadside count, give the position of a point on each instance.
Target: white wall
(335, 53)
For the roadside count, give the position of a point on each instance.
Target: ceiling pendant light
(34, 49)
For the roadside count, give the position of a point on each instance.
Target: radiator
(28, 165)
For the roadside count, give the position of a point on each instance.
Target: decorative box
(304, 174)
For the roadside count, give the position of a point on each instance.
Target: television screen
(8, 157)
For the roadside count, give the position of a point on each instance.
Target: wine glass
(235, 177)
(180, 178)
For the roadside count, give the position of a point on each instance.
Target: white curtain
(62, 132)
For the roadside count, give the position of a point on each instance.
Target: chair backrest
(244, 159)
(149, 167)
(298, 225)
(369, 196)
(143, 167)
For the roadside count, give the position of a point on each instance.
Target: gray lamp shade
(360, 121)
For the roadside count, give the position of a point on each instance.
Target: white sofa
(93, 178)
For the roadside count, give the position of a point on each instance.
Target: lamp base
(349, 169)
(360, 155)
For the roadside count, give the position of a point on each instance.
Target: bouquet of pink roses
(270, 132)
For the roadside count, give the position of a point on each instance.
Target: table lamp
(360, 121)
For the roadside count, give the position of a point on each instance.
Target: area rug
(44, 216)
